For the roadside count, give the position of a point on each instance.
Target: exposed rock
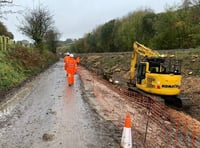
(116, 82)
(110, 80)
(190, 73)
(48, 137)
(117, 70)
(195, 56)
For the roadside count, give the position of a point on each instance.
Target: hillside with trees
(176, 28)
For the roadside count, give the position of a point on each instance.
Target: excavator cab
(141, 72)
(159, 76)
(149, 65)
(164, 66)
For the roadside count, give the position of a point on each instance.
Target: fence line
(166, 127)
(173, 128)
(6, 43)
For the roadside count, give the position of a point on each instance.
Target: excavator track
(180, 101)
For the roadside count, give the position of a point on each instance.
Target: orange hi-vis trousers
(70, 79)
(71, 71)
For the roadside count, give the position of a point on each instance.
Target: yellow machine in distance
(153, 73)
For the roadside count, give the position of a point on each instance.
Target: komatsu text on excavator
(155, 74)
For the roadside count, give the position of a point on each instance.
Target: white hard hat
(71, 55)
(67, 53)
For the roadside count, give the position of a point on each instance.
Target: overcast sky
(74, 18)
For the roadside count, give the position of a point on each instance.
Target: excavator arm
(144, 51)
(139, 49)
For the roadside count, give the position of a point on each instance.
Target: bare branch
(6, 1)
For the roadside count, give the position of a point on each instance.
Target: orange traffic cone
(126, 141)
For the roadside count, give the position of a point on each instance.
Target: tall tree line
(177, 27)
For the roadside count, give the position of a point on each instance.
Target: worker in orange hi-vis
(66, 58)
(71, 69)
(77, 61)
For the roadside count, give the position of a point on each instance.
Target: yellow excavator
(156, 74)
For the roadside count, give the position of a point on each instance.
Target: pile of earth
(115, 67)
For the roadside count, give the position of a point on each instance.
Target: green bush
(20, 63)
(9, 76)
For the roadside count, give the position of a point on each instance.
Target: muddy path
(46, 112)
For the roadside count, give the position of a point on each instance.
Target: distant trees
(148, 26)
(68, 41)
(38, 25)
(178, 27)
(186, 3)
(130, 29)
(51, 40)
(4, 31)
(118, 35)
(106, 36)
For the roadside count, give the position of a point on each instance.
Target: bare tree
(5, 3)
(36, 23)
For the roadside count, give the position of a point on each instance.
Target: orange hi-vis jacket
(71, 63)
(77, 61)
(66, 59)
